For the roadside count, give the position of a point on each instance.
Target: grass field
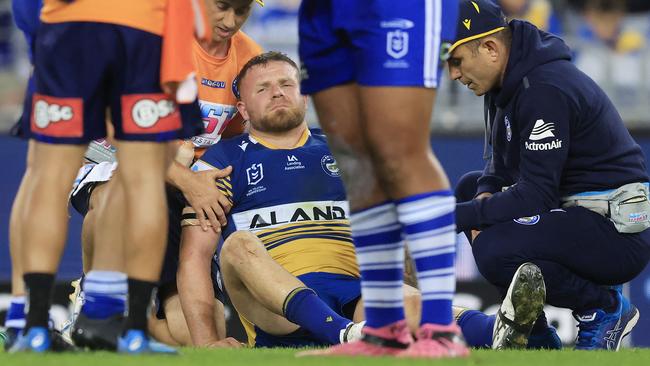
(286, 357)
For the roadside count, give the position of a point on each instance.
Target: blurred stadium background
(611, 43)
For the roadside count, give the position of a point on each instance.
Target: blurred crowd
(609, 38)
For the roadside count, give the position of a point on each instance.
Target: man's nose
(454, 73)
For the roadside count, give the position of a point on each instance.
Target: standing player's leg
(142, 168)
(15, 318)
(43, 230)
(99, 322)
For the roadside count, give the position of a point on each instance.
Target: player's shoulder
(317, 136)
(225, 151)
(245, 46)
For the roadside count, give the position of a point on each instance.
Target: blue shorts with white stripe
(374, 42)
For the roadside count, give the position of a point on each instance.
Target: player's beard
(280, 120)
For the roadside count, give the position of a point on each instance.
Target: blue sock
(303, 307)
(380, 252)
(15, 318)
(477, 328)
(104, 294)
(430, 231)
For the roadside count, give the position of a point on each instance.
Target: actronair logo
(543, 146)
(542, 130)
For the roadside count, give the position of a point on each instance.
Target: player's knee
(490, 261)
(239, 247)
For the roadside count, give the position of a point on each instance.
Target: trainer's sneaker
(136, 342)
(388, 340)
(97, 334)
(36, 340)
(519, 310)
(601, 330)
(437, 341)
(352, 332)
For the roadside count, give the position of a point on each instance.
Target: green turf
(284, 357)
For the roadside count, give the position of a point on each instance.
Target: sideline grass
(286, 357)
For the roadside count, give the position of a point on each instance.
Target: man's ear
(493, 48)
(241, 107)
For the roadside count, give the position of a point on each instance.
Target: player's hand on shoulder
(206, 199)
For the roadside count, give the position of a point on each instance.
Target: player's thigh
(56, 164)
(397, 57)
(254, 311)
(339, 116)
(403, 113)
(141, 162)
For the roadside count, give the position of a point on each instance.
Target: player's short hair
(262, 59)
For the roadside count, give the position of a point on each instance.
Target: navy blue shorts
(340, 292)
(374, 43)
(83, 68)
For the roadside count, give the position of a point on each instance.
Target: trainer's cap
(477, 19)
(261, 2)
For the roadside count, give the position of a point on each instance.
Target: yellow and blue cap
(477, 19)
(261, 2)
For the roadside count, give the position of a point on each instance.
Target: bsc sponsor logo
(146, 112)
(329, 165)
(530, 220)
(298, 215)
(149, 114)
(543, 146)
(45, 113)
(57, 117)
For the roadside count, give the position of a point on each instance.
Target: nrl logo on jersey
(255, 174)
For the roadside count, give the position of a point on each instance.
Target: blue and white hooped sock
(15, 318)
(380, 252)
(104, 294)
(430, 231)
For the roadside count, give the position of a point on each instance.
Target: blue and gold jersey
(292, 199)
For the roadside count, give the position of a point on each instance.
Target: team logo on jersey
(57, 117)
(508, 128)
(542, 130)
(255, 174)
(530, 220)
(149, 114)
(397, 43)
(329, 166)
